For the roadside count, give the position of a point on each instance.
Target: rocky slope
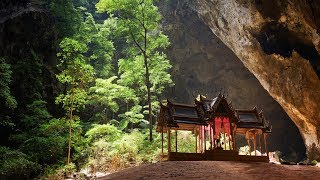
(278, 41)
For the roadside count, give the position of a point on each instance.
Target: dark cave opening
(276, 38)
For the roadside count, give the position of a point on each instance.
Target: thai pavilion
(215, 124)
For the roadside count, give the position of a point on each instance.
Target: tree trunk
(149, 96)
(147, 82)
(70, 122)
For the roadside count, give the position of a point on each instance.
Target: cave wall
(27, 39)
(27, 43)
(202, 63)
(278, 41)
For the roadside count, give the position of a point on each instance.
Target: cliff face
(278, 41)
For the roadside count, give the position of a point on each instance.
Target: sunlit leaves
(79, 99)
(134, 18)
(134, 116)
(106, 93)
(105, 131)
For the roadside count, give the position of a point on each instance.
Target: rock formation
(278, 41)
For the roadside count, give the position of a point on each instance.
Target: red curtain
(226, 125)
(218, 123)
(221, 122)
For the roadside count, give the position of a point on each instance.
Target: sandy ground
(217, 170)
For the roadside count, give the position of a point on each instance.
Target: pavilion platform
(215, 124)
(213, 155)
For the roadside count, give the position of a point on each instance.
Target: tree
(88, 53)
(138, 21)
(76, 73)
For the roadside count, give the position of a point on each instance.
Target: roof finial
(220, 92)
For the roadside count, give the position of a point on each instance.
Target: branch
(137, 44)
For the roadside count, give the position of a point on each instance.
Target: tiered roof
(186, 117)
(216, 107)
(180, 116)
(252, 119)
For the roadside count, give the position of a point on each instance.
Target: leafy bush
(116, 151)
(107, 132)
(98, 156)
(59, 172)
(127, 148)
(45, 150)
(108, 153)
(314, 162)
(16, 164)
(150, 151)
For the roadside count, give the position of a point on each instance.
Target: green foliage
(5, 74)
(76, 73)
(53, 127)
(59, 172)
(36, 114)
(79, 99)
(15, 164)
(138, 23)
(45, 150)
(106, 92)
(100, 48)
(150, 151)
(45, 138)
(126, 150)
(106, 132)
(186, 141)
(28, 79)
(134, 116)
(69, 169)
(76, 70)
(314, 162)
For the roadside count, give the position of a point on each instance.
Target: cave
(276, 38)
(277, 41)
(203, 64)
